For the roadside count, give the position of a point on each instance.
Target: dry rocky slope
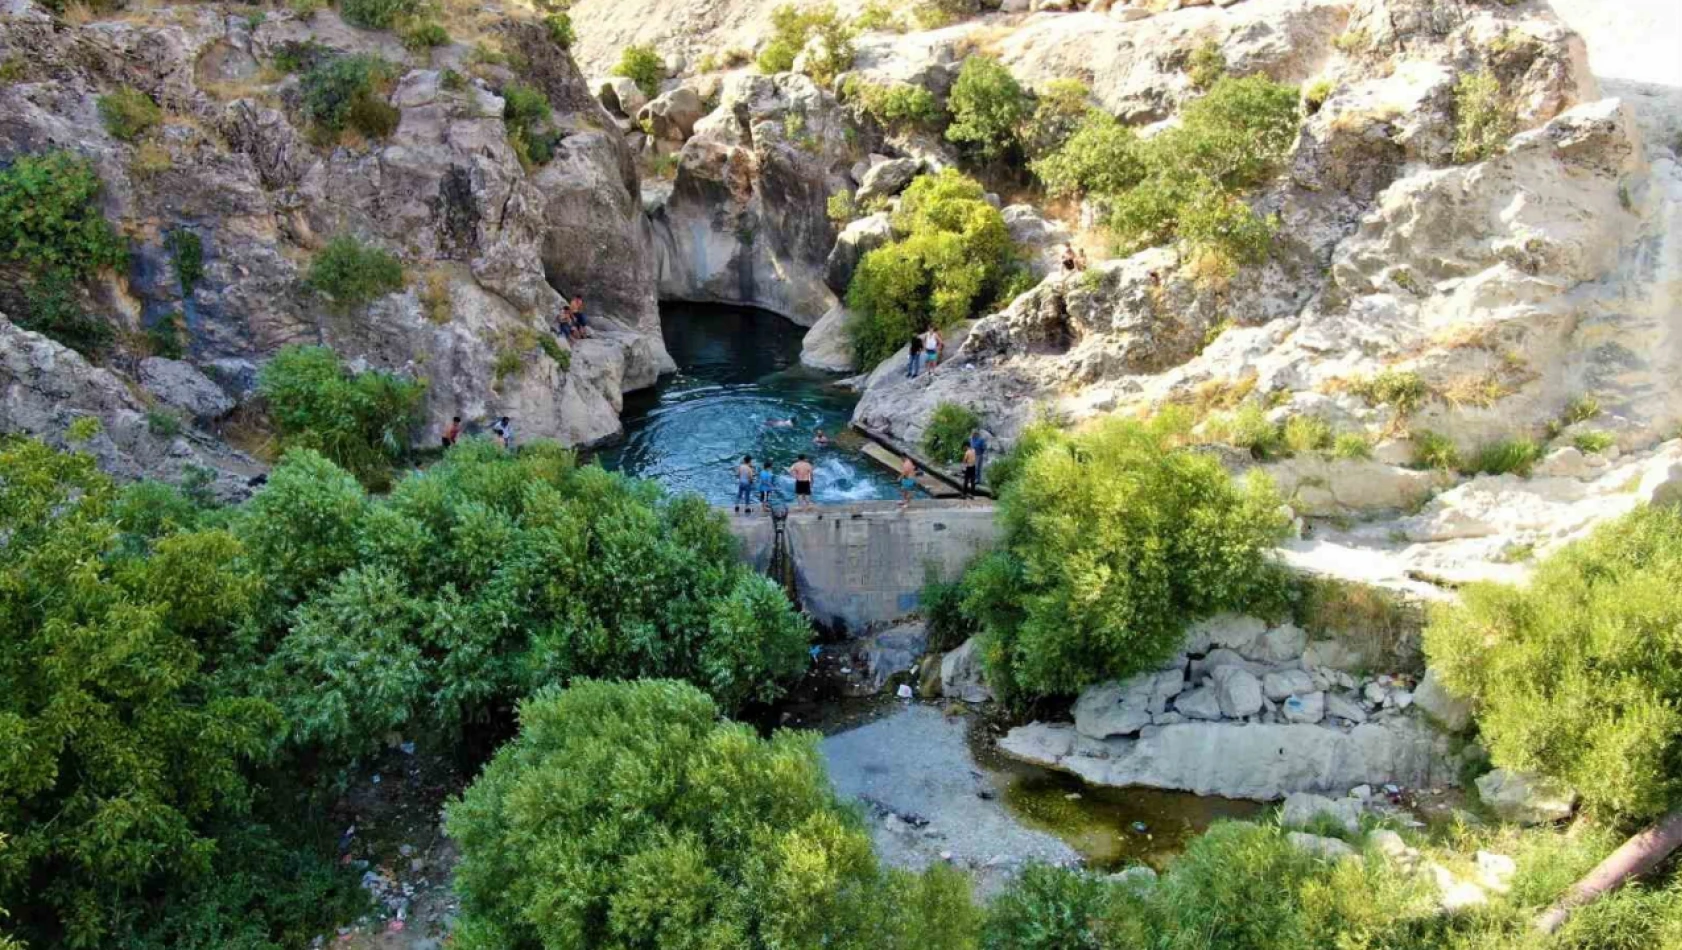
(489, 246)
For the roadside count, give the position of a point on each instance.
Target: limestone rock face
(746, 220)
(1264, 762)
(1123, 708)
(489, 247)
(44, 387)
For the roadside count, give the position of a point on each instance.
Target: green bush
(951, 253)
(1307, 433)
(643, 66)
(352, 274)
(561, 31)
(1246, 427)
(53, 307)
(1059, 111)
(1402, 390)
(343, 91)
(376, 14)
(1578, 676)
(1434, 450)
(1483, 119)
(525, 111)
(1508, 456)
(1100, 157)
(897, 106)
(934, 14)
(1113, 540)
(988, 109)
(424, 34)
(186, 253)
(293, 56)
(1207, 65)
(167, 337)
(128, 113)
(163, 423)
(656, 825)
(359, 420)
(942, 606)
(1352, 445)
(1593, 442)
(792, 28)
(1050, 908)
(50, 223)
(948, 432)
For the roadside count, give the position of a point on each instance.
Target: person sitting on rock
(580, 322)
(1070, 262)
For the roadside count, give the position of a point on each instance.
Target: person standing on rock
(979, 444)
(802, 472)
(767, 484)
(969, 472)
(907, 481)
(915, 349)
(744, 485)
(452, 432)
(932, 345)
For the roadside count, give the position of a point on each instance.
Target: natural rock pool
(738, 373)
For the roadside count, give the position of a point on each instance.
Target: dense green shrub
(561, 31)
(349, 91)
(359, 420)
(424, 34)
(1483, 119)
(934, 14)
(116, 746)
(1184, 183)
(1579, 675)
(1051, 908)
(948, 431)
(167, 336)
(1434, 450)
(128, 113)
(1207, 65)
(792, 28)
(376, 14)
(1059, 110)
(525, 111)
(52, 232)
(942, 606)
(898, 106)
(1113, 540)
(351, 274)
(1507, 456)
(186, 253)
(1402, 390)
(628, 815)
(988, 109)
(643, 66)
(951, 253)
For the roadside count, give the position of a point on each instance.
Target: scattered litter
(1072, 797)
(376, 778)
(904, 691)
(408, 748)
(1140, 827)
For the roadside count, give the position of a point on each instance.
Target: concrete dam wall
(863, 564)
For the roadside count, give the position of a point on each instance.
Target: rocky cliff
(490, 242)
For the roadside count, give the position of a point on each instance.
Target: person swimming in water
(820, 439)
(780, 423)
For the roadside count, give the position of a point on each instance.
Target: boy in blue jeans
(744, 485)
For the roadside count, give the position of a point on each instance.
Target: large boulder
(1123, 708)
(961, 676)
(826, 345)
(887, 178)
(857, 239)
(180, 385)
(1264, 762)
(1525, 798)
(671, 116)
(1448, 710)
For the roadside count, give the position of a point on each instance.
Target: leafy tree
(988, 109)
(948, 431)
(1113, 540)
(524, 112)
(359, 420)
(1579, 675)
(561, 31)
(895, 106)
(116, 747)
(628, 815)
(643, 66)
(1059, 110)
(1101, 157)
(951, 253)
(352, 274)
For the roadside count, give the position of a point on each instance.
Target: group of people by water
(761, 478)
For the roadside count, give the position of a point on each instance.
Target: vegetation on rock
(1483, 119)
(794, 28)
(951, 253)
(989, 108)
(897, 107)
(1114, 539)
(1575, 675)
(128, 113)
(948, 432)
(360, 421)
(643, 66)
(376, 14)
(352, 274)
(342, 92)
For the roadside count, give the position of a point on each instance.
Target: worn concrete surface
(863, 564)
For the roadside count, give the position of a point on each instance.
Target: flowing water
(740, 390)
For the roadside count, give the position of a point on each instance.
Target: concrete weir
(863, 564)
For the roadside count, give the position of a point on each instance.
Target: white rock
(1374, 693)
(1447, 710)
(1391, 844)
(1343, 707)
(1238, 691)
(1231, 631)
(1200, 703)
(1330, 849)
(1279, 645)
(1281, 684)
(1309, 707)
(1495, 871)
(961, 676)
(1524, 798)
(1303, 809)
(1333, 655)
